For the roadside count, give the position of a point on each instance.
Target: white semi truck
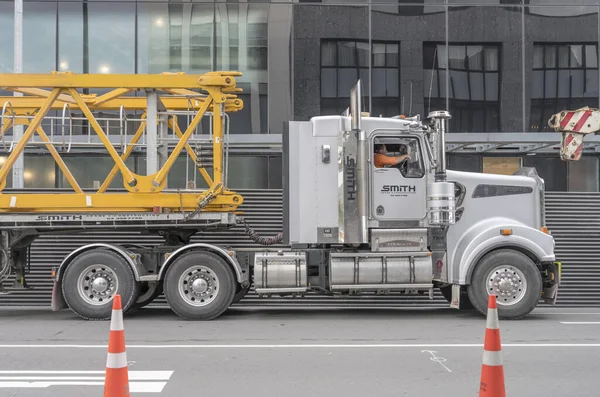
(351, 225)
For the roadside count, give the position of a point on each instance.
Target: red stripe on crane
(582, 120)
(569, 139)
(566, 120)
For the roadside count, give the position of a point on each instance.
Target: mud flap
(551, 283)
(58, 300)
(455, 302)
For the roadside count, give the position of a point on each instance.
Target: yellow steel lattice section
(213, 92)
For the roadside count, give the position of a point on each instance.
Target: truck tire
(93, 278)
(199, 285)
(513, 277)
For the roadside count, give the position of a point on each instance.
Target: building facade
(497, 65)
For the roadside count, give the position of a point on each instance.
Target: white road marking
(133, 375)
(134, 387)
(580, 322)
(436, 359)
(151, 381)
(300, 346)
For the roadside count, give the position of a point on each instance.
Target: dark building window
(343, 62)
(565, 76)
(473, 90)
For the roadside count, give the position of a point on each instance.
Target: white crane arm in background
(574, 125)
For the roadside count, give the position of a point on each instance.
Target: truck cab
(408, 228)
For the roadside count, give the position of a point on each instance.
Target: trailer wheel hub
(97, 284)
(198, 285)
(100, 284)
(508, 284)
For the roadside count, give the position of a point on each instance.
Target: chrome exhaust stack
(441, 202)
(352, 176)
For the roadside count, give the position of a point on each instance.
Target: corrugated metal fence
(574, 219)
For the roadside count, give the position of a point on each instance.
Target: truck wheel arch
(526, 251)
(473, 246)
(228, 256)
(115, 248)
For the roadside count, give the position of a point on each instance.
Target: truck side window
(403, 153)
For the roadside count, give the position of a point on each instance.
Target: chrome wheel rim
(97, 284)
(508, 284)
(198, 285)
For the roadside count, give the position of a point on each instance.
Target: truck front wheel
(199, 286)
(512, 277)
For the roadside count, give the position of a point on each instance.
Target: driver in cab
(382, 159)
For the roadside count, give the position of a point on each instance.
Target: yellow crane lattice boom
(177, 93)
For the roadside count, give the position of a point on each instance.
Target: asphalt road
(300, 352)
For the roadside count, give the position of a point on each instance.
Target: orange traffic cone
(492, 370)
(116, 383)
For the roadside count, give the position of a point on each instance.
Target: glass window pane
(392, 55)
(564, 54)
(379, 83)
(392, 83)
(39, 172)
(378, 55)
(458, 85)
(551, 83)
(275, 172)
(90, 171)
(39, 37)
(456, 57)
(6, 36)
(70, 37)
(583, 174)
(157, 26)
(491, 58)
(538, 56)
(491, 87)
(467, 163)
(248, 172)
(475, 57)
(476, 80)
(591, 56)
(591, 85)
(550, 56)
(346, 80)
(328, 83)
(328, 53)
(537, 84)
(111, 37)
(346, 53)
(576, 56)
(552, 170)
(362, 50)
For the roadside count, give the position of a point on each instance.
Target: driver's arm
(382, 159)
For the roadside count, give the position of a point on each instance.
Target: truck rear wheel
(512, 277)
(199, 286)
(91, 281)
